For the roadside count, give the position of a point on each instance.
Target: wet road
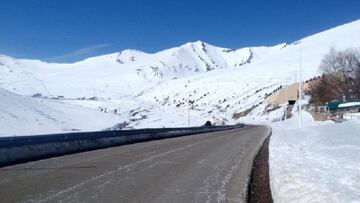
(211, 167)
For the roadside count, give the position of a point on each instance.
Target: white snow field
(21, 115)
(318, 163)
(154, 89)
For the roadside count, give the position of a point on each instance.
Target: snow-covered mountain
(126, 72)
(152, 90)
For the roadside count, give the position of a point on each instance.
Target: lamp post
(300, 83)
(300, 88)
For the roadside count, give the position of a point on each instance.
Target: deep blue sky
(68, 30)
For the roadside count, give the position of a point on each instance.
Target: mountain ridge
(156, 90)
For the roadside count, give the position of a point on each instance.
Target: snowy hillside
(154, 90)
(127, 72)
(20, 115)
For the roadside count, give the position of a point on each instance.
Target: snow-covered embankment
(318, 163)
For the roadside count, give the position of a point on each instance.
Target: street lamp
(300, 83)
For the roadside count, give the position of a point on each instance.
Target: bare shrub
(341, 77)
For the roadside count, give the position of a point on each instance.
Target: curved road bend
(211, 167)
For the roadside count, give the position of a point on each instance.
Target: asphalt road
(211, 167)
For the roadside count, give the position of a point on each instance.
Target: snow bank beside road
(319, 163)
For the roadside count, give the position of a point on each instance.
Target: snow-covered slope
(117, 74)
(21, 115)
(222, 84)
(226, 92)
(317, 163)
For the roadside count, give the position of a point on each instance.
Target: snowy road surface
(211, 167)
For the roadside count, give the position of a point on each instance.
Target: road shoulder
(259, 186)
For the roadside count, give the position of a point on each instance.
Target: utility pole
(189, 116)
(160, 113)
(300, 87)
(190, 103)
(188, 113)
(300, 82)
(287, 100)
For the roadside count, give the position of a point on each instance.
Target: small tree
(341, 76)
(321, 91)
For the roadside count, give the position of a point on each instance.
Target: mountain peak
(131, 51)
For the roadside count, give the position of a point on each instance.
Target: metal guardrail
(21, 149)
(14, 141)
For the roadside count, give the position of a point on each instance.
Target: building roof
(349, 104)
